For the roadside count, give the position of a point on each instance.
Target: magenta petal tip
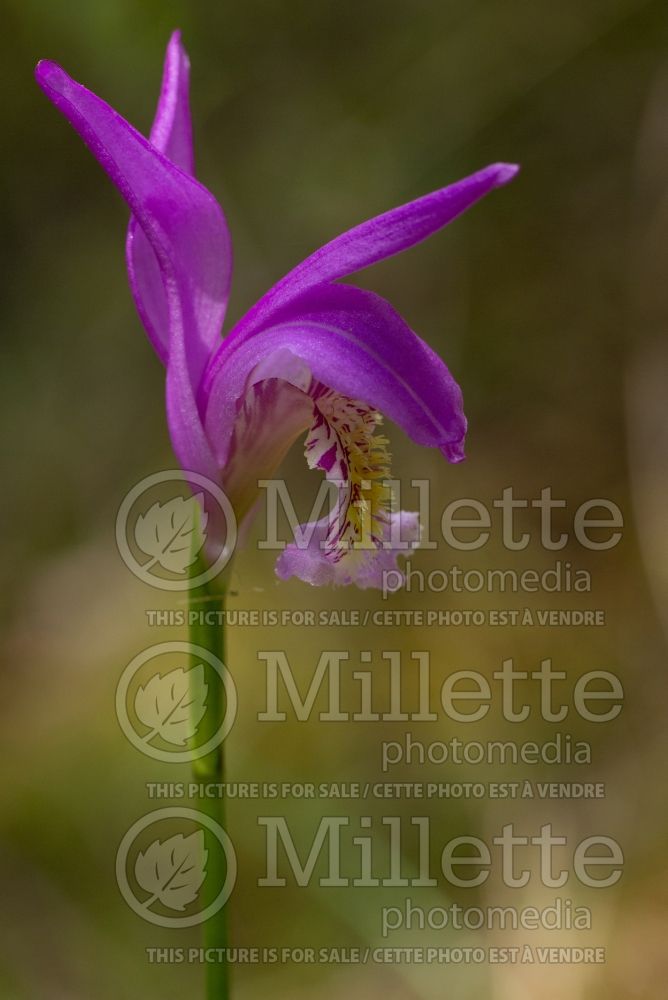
(176, 41)
(454, 451)
(44, 69)
(505, 172)
(50, 76)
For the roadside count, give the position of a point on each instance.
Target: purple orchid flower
(312, 355)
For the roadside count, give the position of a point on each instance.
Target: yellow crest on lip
(343, 443)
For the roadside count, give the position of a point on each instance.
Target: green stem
(207, 770)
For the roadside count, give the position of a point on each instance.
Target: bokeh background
(548, 302)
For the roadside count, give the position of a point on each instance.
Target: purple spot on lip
(328, 459)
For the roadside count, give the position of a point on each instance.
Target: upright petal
(172, 135)
(376, 239)
(186, 229)
(171, 132)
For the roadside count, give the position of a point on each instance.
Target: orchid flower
(311, 356)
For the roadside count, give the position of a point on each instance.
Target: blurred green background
(548, 303)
